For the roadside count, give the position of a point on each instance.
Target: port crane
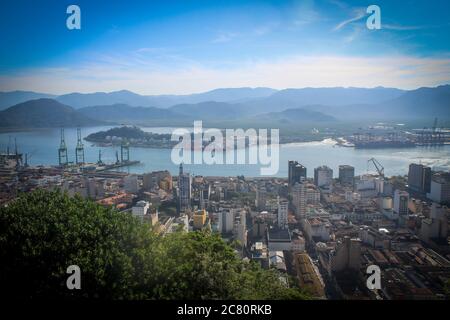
(431, 136)
(435, 125)
(28, 157)
(100, 162)
(377, 165)
(63, 159)
(79, 150)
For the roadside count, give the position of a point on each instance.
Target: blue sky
(162, 47)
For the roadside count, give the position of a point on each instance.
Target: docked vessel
(384, 144)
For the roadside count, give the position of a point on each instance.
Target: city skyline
(225, 151)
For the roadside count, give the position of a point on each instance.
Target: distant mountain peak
(43, 113)
(343, 102)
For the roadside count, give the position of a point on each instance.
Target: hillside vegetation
(42, 233)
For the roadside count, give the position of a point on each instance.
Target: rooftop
(276, 234)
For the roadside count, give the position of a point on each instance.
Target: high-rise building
(242, 229)
(205, 192)
(296, 172)
(157, 179)
(347, 255)
(226, 220)
(299, 199)
(282, 213)
(323, 176)
(148, 181)
(401, 199)
(440, 188)
(419, 178)
(346, 174)
(184, 190)
(199, 219)
(91, 187)
(436, 226)
(261, 197)
(312, 194)
(131, 184)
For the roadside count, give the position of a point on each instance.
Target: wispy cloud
(397, 27)
(339, 4)
(307, 17)
(150, 50)
(358, 14)
(225, 37)
(264, 29)
(357, 31)
(305, 13)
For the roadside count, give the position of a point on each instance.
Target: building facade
(440, 188)
(296, 172)
(323, 176)
(346, 174)
(282, 213)
(419, 178)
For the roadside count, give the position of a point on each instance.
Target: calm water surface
(42, 147)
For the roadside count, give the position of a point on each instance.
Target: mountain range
(230, 104)
(261, 99)
(8, 99)
(43, 113)
(46, 112)
(79, 100)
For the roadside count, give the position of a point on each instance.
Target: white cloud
(264, 29)
(339, 4)
(225, 37)
(397, 27)
(358, 14)
(406, 72)
(307, 16)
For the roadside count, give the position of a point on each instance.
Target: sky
(181, 47)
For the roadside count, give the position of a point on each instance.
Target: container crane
(377, 165)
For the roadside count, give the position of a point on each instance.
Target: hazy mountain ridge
(295, 115)
(250, 104)
(414, 104)
(51, 113)
(257, 99)
(8, 99)
(199, 111)
(124, 113)
(79, 100)
(210, 110)
(299, 98)
(422, 102)
(42, 113)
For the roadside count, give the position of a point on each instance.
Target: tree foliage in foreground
(42, 233)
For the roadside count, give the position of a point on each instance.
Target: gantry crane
(378, 166)
(62, 151)
(79, 150)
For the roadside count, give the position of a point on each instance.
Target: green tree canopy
(42, 233)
